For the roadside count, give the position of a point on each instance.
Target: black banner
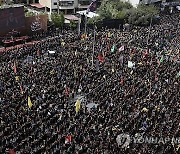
(12, 18)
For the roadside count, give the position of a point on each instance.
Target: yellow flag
(113, 70)
(157, 108)
(17, 78)
(52, 72)
(78, 105)
(144, 109)
(29, 102)
(109, 34)
(62, 43)
(178, 147)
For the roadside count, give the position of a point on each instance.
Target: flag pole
(85, 28)
(149, 31)
(94, 39)
(79, 25)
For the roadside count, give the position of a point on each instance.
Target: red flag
(38, 52)
(14, 67)
(121, 81)
(103, 54)
(66, 91)
(108, 47)
(158, 62)
(145, 53)
(100, 58)
(21, 89)
(156, 78)
(134, 50)
(68, 139)
(11, 151)
(175, 58)
(106, 37)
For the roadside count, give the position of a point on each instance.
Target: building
(5, 1)
(157, 1)
(1, 2)
(66, 6)
(19, 1)
(165, 5)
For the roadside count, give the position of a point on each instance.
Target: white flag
(130, 64)
(121, 48)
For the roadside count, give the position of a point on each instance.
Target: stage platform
(15, 41)
(4, 49)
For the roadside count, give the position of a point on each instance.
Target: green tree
(142, 15)
(113, 9)
(94, 20)
(104, 10)
(121, 14)
(148, 9)
(29, 14)
(57, 19)
(119, 9)
(25, 9)
(72, 24)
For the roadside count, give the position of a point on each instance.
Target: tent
(87, 14)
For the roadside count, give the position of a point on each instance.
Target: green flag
(178, 75)
(162, 59)
(113, 48)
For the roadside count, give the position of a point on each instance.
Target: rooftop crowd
(38, 109)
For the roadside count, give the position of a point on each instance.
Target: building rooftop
(37, 5)
(5, 6)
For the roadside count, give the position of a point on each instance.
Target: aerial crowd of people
(130, 78)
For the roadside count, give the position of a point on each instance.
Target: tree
(121, 14)
(29, 14)
(57, 19)
(142, 15)
(94, 20)
(104, 10)
(119, 9)
(113, 9)
(72, 24)
(25, 10)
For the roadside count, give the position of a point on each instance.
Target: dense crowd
(133, 78)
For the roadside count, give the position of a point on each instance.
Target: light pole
(79, 25)
(58, 6)
(149, 31)
(93, 46)
(85, 28)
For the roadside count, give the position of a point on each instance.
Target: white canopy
(178, 7)
(89, 14)
(51, 52)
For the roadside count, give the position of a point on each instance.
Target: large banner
(12, 18)
(36, 23)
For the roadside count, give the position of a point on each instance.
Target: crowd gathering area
(70, 94)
